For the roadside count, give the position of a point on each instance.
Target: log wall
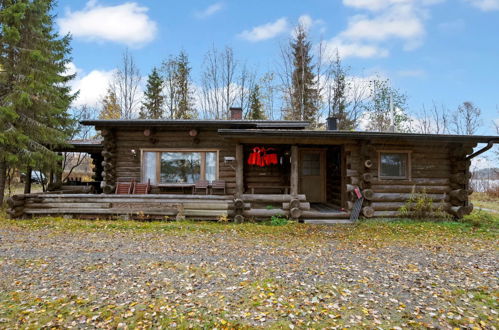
(439, 170)
(128, 165)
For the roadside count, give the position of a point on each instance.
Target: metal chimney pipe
(332, 123)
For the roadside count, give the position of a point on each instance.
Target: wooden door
(312, 175)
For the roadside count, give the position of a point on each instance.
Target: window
(179, 166)
(311, 164)
(394, 165)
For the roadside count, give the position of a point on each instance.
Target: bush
(277, 220)
(479, 218)
(420, 206)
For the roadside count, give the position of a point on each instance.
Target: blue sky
(442, 51)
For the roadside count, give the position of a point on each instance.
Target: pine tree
(110, 107)
(304, 95)
(152, 105)
(256, 106)
(35, 94)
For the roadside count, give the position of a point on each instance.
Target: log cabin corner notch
(303, 174)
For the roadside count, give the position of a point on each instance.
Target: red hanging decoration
(271, 158)
(260, 156)
(253, 158)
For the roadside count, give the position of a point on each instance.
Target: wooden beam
(294, 170)
(239, 170)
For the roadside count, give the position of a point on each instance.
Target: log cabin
(263, 169)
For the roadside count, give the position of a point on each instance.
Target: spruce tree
(110, 107)
(339, 107)
(152, 105)
(304, 95)
(256, 106)
(35, 93)
(185, 106)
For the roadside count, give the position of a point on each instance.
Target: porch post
(294, 170)
(239, 170)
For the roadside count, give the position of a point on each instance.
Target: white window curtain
(149, 167)
(211, 166)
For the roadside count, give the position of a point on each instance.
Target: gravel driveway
(116, 278)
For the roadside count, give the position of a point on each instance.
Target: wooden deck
(167, 207)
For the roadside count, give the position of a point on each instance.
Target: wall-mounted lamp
(231, 161)
(134, 153)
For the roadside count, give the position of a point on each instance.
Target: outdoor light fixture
(231, 161)
(134, 153)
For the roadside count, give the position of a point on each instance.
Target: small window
(394, 165)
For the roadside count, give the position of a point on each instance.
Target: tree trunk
(27, 182)
(3, 179)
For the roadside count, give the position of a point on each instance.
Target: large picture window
(179, 166)
(394, 165)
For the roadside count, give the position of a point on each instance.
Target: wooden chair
(124, 188)
(218, 185)
(200, 185)
(142, 188)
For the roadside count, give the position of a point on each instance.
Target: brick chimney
(236, 113)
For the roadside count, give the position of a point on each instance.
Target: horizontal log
(387, 214)
(205, 213)
(66, 211)
(352, 172)
(279, 198)
(137, 197)
(205, 206)
(68, 205)
(395, 206)
(401, 197)
(395, 188)
(415, 181)
(324, 215)
(302, 206)
(264, 213)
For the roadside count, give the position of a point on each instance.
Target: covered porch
(305, 183)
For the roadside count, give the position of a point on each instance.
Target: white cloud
(127, 23)
(266, 31)
(381, 21)
(485, 5)
(210, 10)
(307, 22)
(353, 49)
(92, 86)
(376, 5)
(400, 22)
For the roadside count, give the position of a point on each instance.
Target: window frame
(408, 168)
(159, 151)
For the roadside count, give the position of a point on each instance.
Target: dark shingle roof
(288, 124)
